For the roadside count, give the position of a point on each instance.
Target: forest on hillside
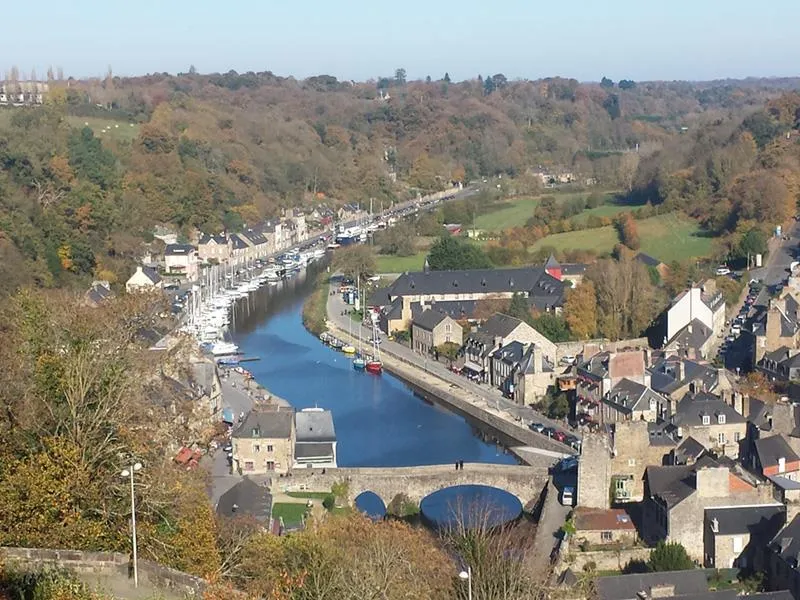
(84, 179)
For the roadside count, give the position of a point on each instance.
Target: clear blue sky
(356, 39)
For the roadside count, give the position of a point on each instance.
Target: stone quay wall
(110, 564)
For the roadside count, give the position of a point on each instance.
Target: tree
(558, 406)
(450, 253)
(628, 231)
(402, 506)
(518, 307)
(355, 261)
(447, 77)
(605, 82)
(753, 242)
(397, 240)
(611, 104)
(551, 326)
(500, 81)
(400, 76)
(580, 311)
(489, 85)
(627, 300)
(669, 556)
(626, 84)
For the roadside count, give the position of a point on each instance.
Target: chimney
(680, 372)
(662, 591)
(538, 362)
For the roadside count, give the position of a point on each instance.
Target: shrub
(329, 501)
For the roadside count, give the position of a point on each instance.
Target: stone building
(699, 303)
(674, 376)
(600, 527)
(711, 421)
(144, 279)
(431, 329)
(676, 498)
(214, 248)
(780, 326)
(181, 259)
(597, 372)
(264, 442)
(783, 566)
(632, 401)
(736, 537)
(774, 456)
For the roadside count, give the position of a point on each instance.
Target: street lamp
(129, 473)
(467, 576)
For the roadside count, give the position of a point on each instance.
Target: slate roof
(664, 375)
(266, 424)
(99, 292)
(429, 319)
(539, 285)
(151, 274)
(626, 587)
(763, 521)
(314, 426)
(573, 269)
(379, 297)
(597, 365)
(238, 242)
(456, 309)
(500, 325)
(527, 365)
(647, 260)
(693, 407)
(675, 483)
(786, 543)
(693, 335)
(629, 396)
(308, 450)
(551, 262)
(511, 353)
(770, 449)
(178, 249)
(217, 239)
(689, 448)
(246, 498)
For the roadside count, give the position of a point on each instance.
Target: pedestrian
(456, 465)
(461, 465)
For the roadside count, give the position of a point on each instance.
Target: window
(448, 328)
(736, 436)
(721, 438)
(706, 420)
(270, 465)
(269, 447)
(257, 448)
(631, 462)
(606, 536)
(721, 419)
(249, 465)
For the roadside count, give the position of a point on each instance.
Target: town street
(337, 306)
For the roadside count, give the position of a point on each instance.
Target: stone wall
(109, 564)
(417, 482)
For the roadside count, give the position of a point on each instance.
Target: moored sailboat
(374, 364)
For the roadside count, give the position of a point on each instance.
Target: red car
(559, 436)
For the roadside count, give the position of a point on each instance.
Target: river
(379, 422)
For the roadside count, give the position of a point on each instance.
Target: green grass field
(116, 130)
(666, 237)
(400, 264)
(606, 210)
(515, 213)
(292, 513)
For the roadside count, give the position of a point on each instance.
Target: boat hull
(359, 364)
(374, 367)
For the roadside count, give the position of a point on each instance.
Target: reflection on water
(378, 421)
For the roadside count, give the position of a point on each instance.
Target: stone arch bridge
(525, 482)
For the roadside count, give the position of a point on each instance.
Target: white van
(568, 496)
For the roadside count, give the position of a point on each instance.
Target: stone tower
(594, 471)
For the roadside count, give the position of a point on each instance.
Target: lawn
(116, 130)
(606, 210)
(515, 213)
(291, 513)
(400, 264)
(666, 237)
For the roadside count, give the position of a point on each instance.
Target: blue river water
(379, 422)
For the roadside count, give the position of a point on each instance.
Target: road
(336, 308)
(738, 355)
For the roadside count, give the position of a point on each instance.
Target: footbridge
(525, 482)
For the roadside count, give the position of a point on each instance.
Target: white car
(723, 271)
(736, 329)
(567, 359)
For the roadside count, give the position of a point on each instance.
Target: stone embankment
(460, 400)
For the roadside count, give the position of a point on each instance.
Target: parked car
(722, 270)
(537, 427)
(736, 329)
(548, 431)
(567, 464)
(568, 496)
(559, 435)
(568, 359)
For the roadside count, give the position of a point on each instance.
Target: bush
(670, 556)
(402, 506)
(329, 501)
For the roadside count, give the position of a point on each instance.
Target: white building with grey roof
(315, 445)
